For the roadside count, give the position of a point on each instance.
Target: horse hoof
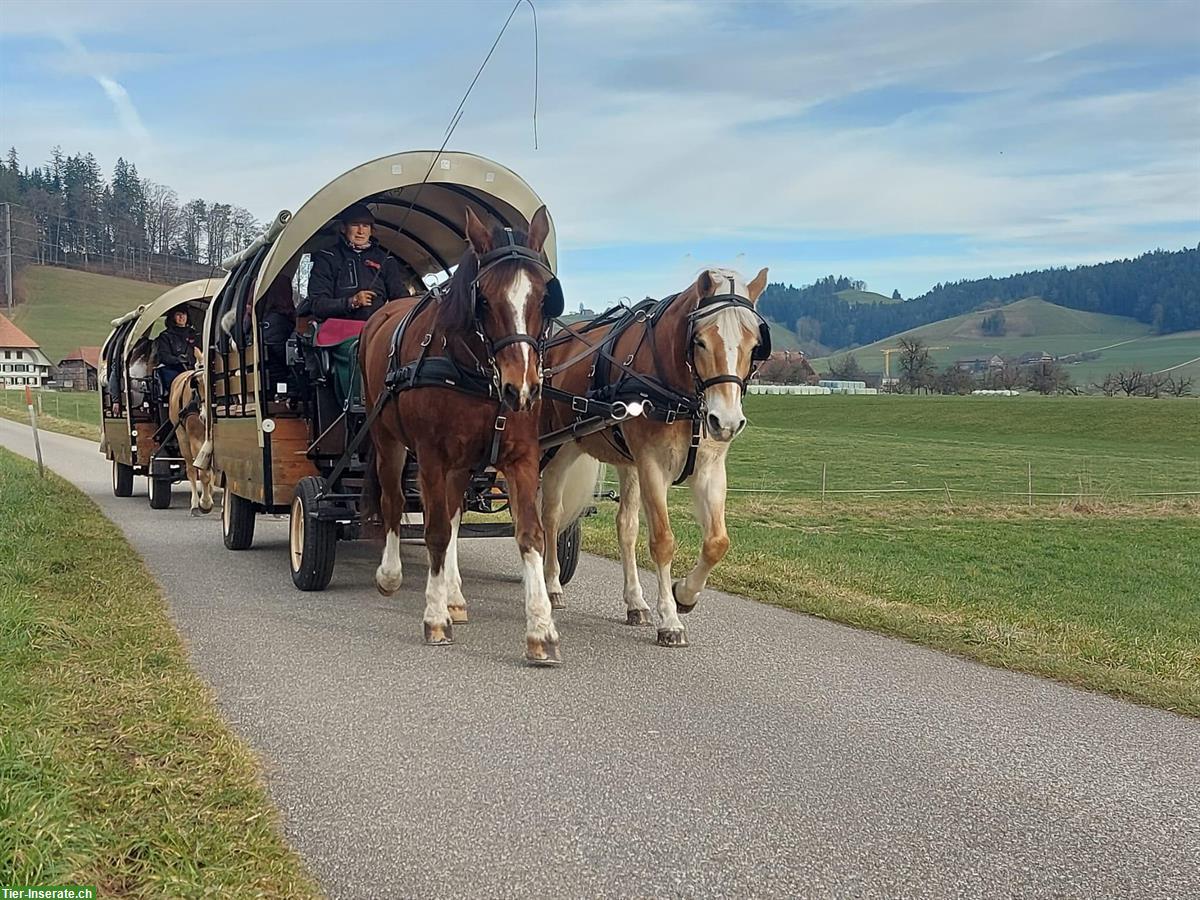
(458, 615)
(387, 586)
(557, 601)
(672, 637)
(438, 635)
(197, 512)
(637, 617)
(205, 512)
(684, 608)
(542, 652)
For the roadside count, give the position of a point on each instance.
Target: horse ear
(539, 229)
(706, 285)
(478, 234)
(758, 285)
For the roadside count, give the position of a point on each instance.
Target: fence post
(822, 482)
(37, 444)
(1030, 465)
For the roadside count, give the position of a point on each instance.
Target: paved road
(778, 756)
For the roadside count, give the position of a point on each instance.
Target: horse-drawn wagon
(139, 437)
(282, 439)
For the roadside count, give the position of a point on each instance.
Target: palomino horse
(460, 376)
(186, 410)
(687, 358)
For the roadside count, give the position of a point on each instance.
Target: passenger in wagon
(176, 349)
(349, 282)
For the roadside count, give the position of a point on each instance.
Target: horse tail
(578, 488)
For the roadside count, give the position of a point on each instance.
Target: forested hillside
(1160, 288)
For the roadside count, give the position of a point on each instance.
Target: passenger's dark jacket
(176, 346)
(341, 272)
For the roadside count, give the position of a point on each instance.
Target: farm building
(77, 372)
(979, 365)
(21, 360)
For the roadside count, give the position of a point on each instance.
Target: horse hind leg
(438, 628)
(636, 610)
(389, 469)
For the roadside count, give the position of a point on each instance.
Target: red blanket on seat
(334, 331)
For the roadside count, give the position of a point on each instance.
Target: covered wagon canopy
(200, 291)
(429, 239)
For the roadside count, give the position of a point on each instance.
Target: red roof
(12, 336)
(89, 355)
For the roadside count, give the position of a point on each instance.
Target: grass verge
(115, 768)
(1100, 597)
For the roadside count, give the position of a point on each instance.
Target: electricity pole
(8, 290)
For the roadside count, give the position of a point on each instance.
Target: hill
(65, 308)
(1032, 325)
(1160, 289)
(854, 296)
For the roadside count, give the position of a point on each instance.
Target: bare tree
(846, 368)
(1109, 386)
(1155, 383)
(1178, 387)
(1049, 377)
(916, 368)
(1131, 382)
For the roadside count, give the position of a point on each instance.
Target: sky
(900, 142)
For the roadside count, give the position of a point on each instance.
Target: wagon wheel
(122, 479)
(312, 542)
(160, 493)
(237, 521)
(568, 551)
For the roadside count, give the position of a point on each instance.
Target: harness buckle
(696, 434)
(579, 404)
(629, 360)
(640, 316)
(592, 371)
(671, 417)
(427, 340)
(501, 422)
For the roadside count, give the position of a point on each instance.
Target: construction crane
(887, 359)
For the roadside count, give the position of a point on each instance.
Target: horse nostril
(512, 396)
(714, 424)
(535, 391)
(740, 425)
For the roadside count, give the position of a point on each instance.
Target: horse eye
(700, 343)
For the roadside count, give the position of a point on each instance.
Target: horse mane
(456, 309)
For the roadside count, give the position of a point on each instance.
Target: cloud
(122, 103)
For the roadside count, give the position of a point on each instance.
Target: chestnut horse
(461, 376)
(688, 358)
(186, 410)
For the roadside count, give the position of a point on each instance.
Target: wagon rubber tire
(122, 479)
(568, 551)
(312, 543)
(237, 521)
(160, 493)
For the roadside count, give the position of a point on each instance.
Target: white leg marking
(453, 576)
(539, 624)
(390, 574)
(627, 535)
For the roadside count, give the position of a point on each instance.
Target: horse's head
(505, 290)
(728, 336)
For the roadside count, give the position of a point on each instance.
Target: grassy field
(68, 412)
(66, 309)
(115, 769)
(1096, 589)
(1033, 325)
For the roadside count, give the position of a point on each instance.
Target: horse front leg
(636, 610)
(189, 468)
(456, 602)
(708, 494)
(541, 637)
(195, 437)
(654, 483)
(438, 628)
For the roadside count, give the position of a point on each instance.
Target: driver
(176, 349)
(356, 276)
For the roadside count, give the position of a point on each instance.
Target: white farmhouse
(21, 360)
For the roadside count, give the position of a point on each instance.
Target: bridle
(710, 306)
(552, 302)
